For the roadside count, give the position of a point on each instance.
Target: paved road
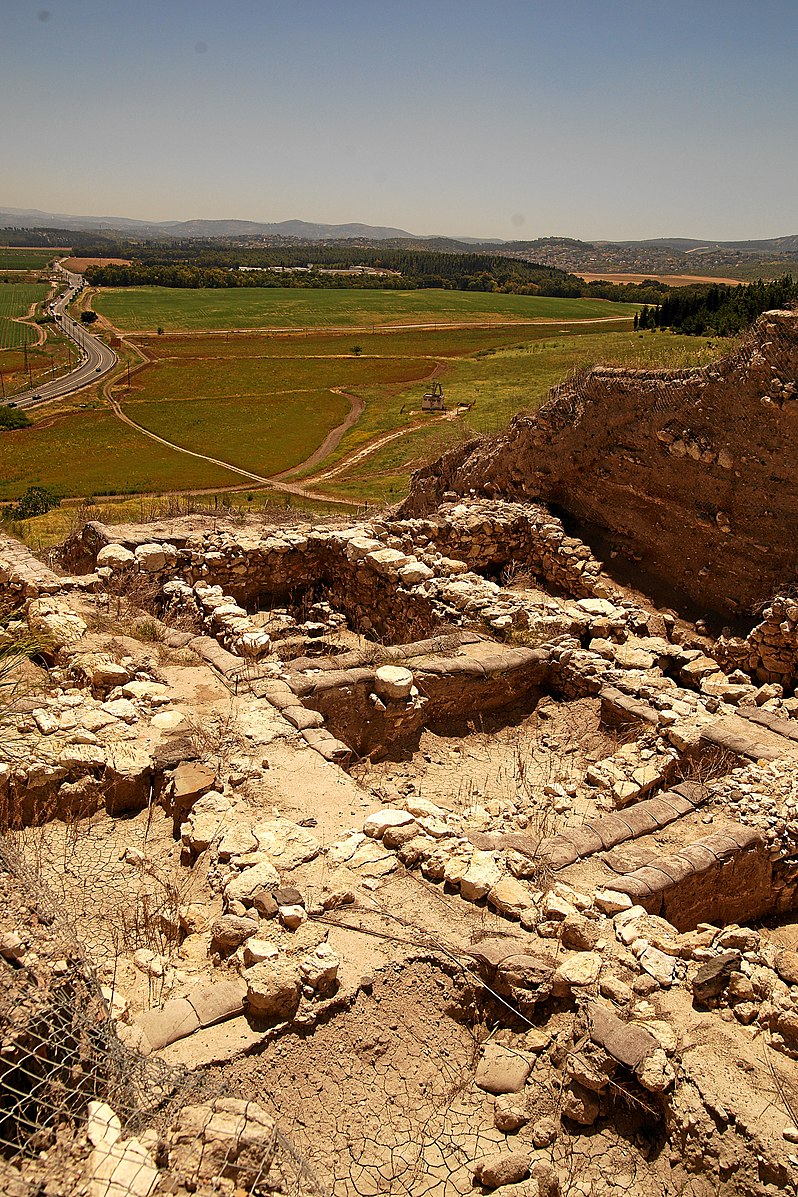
(96, 358)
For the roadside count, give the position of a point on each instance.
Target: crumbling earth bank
(415, 856)
(689, 474)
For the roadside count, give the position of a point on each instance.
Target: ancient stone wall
(692, 472)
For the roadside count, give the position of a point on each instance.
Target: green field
(139, 309)
(265, 403)
(265, 437)
(87, 453)
(499, 383)
(265, 376)
(15, 300)
(26, 259)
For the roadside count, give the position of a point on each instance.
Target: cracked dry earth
(415, 857)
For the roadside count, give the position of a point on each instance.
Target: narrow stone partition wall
(376, 709)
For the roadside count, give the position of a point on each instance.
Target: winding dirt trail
(270, 483)
(333, 437)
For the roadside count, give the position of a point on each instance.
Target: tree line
(718, 310)
(214, 266)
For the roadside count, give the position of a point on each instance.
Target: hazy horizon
(616, 121)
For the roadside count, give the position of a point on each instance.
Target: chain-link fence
(152, 1128)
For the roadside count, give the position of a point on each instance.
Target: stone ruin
(417, 856)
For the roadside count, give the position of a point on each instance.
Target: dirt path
(270, 483)
(281, 482)
(335, 329)
(333, 437)
(27, 320)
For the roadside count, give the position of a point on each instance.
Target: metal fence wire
(59, 1052)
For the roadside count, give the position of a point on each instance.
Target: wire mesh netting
(79, 1106)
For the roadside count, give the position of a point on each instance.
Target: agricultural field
(16, 300)
(86, 453)
(266, 403)
(26, 259)
(499, 383)
(145, 309)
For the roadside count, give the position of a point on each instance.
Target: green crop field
(266, 403)
(499, 383)
(15, 300)
(208, 377)
(138, 309)
(87, 453)
(25, 259)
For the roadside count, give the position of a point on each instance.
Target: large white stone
(115, 556)
(261, 876)
(286, 843)
(378, 823)
(393, 682)
(480, 877)
(122, 1170)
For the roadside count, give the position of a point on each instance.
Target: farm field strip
(133, 309)
(265, 438)
(16, 300)
(266, 377)
(23, 258)
(86, 453)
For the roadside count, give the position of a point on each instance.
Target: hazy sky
(586, 118)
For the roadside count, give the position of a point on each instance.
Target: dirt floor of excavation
(505, 762)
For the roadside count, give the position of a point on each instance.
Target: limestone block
(482, 874)
(504, 1168)
(377, 823)
(510, 898)
(578, 971)
(154, 557)
(273, 989)
(415, 572)
(285, 842)
(501, 1070)
(115, 557)
(127, 780)
(103, 1124)
(393, 683)
(510, 1112)
(243, 888)
(227, 1140)
(579, 1104)
(121, 1169)
(320, 969)
(189, 782)
(230, 931)
(655, 1072)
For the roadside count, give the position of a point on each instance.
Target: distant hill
(659, 256)
(302, 230)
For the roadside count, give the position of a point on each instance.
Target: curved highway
(96, 358)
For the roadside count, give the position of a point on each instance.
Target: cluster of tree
(84, 244)
(12, 417)
(718, 310)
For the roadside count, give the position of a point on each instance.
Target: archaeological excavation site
(454, 850)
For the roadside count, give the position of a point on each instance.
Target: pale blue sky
(586, 118)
